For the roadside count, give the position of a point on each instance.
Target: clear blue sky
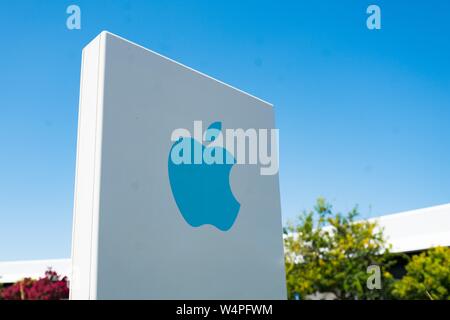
(363, 115)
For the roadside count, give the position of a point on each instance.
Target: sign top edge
(110, 34)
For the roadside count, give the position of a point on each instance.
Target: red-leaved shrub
(50, 287)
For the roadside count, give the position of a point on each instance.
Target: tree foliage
(427, 276)
(330, 253)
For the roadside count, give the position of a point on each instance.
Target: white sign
(176, 193)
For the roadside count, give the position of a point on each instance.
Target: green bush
(427, 276)
(331, 253)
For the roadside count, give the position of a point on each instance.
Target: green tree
(331, 253)
(427, 276)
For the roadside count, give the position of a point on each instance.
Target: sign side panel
(85, 173)
(98, 155)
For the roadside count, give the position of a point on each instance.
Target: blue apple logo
(202, 191)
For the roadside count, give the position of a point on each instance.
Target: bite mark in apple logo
(202, 191)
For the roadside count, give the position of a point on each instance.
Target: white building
(417, 230)
(12, 271)
(409, 231)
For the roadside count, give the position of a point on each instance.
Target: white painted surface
(129, 238)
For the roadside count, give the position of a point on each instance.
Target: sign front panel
(172, 211)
